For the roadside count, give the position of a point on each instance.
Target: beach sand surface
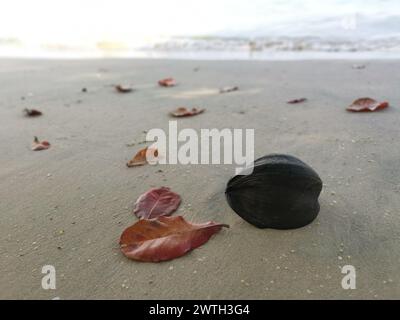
(68, 205)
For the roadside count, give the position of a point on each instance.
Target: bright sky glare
(81, 21)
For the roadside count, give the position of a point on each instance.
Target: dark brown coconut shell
(280, 193)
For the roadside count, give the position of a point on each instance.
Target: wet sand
(68, 205)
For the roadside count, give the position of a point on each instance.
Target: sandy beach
(68, 205)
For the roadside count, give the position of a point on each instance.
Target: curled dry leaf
(123, 88)
(167, 82)
(32, 112)
(294, 101)
(366, 105)
(40, 145)
(228, 89)
(143, 156)
(156, 202)
(185, 112)
(165, 238)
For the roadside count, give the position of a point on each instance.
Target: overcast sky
(120, 20)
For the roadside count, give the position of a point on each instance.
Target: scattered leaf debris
(185, 112)
(142, 157)
(294, 101)
(40, 145)
(123, 88)
(167, 82)
(367, 105)
(32, 112)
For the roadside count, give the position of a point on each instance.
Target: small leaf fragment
(185, 112)
(228, 89)
(294, 101)
(32, 112)
(165, 238)
(40, 145)
(367, 105)
(142, 157)
(156, 202)
(167, 82)
(123, 88)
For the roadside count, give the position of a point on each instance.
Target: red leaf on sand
(228, 89)
(40, 145)
(156, 202)
(142, 157)
(366, 105)
(123, 88)
(32, 112)
(185, 112)
(165, 238)
(167, 82)
(294, 101)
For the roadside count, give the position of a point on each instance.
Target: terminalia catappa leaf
(142, 157)
(367, 105)
(123, 88)
(165, 238)
(279, 192)
(32, 112)
(40, 145)
(167, 82)
(185, 112)
(294, 101)
(156, 202)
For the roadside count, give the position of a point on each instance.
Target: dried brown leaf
(294, 101)
(367, 105)
(185, 112)
(40, 145)
(123, 88)
(167, 82)
(142, 157)
(32, 112)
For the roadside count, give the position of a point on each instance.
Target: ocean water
(208, 29)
